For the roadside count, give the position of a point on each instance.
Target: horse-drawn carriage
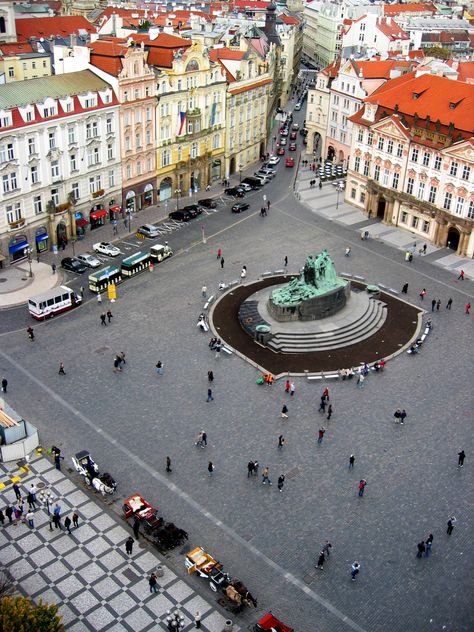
(166, 535)
(89, 470)
(202, 563)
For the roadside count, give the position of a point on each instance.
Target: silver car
(89, 260)
(148, 230)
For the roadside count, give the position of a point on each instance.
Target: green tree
(437, 51)
(20, 615)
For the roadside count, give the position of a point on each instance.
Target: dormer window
(5, 120)
(90, 102)
(47, 112)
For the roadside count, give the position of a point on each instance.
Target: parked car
(292, 147)
(89, 260)
(235, 192)
(266, 171)
(280, 151)
(295, 127)
(105, 248)
(290, 162)
(293, 136)
(208, 203)
(148, 230)
(245, 186)
(254, 183)
(282, 142)
(274, 160)
(193, 209)
(298, 107)
(180, 216)
(238, 207)
(73, 265)
(284, 132)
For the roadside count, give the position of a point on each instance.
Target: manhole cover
(3, 280)
(102, 350)
(40, 485)
(292, 473)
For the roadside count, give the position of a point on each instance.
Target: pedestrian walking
(285, 263)
(449, 303)
(222, 263)
(421, 548)
(204, 291)
(61, 369)
(117, 367)
(129, 545)
(362, 485)
(326, 394)
(405, 289)
(451, 522)
(360, 381)
(33, 492)
(326, 547)
(438, 304)
(281, 482)
(30, 332)
(461, 275)
(18, 511)
(403, 416)
(433, 305)
(281, 441)
(461, 457)
(53, 268)
(17, 491)
(243, 274)
(265, 476)
(153, 583)
(9, 513)
(287, 386)
(250, 469)
(355, 568)
(284, 412)
(397, 414)
(109, 316)
(218, 350)
(159, 367)
(103, 317)
(292, 389)
(75, 520)
(422, 294)
(219, 253)
(468, 308)
(57, 521)
(31, 501)
(210, 397)
(321, 432)
(2, 517)
(320, 563)
(351, 461)
(322, 405)
(30, 519)
(67, 524)
(57, 460)
(99, 298)
(4, 384)
(136, 528)
(428, 544)
(168, 464)
(210, 468)
(204, 439)
(197, 620)
(329, 412)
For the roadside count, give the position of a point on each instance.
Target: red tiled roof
(250, 4)
(225, 53)
(426, 95)
(413, 7)
(391, 29)
(332, 69)
(465, 70)
(164, 40)
(107, 55)
(288, 19)
(15, 48)
(61, 26)
(379, 69)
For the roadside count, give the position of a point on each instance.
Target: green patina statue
(317, 279)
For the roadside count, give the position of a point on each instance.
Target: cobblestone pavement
(88, 573)
(134, 419)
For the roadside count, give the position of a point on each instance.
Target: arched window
(194, 150)
(192, 65)
(2, 25)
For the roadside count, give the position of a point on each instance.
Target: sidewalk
(324, 201)
(87, 573)
(16, 285)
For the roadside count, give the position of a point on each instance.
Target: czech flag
(181, 123)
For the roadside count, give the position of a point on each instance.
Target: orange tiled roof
(15, 48)
(225, 53)
(288, 19)
(413, 7)
(61, 26)
(465, 70)
(379, 69)
(426, 95)
(391, 29)
(253, 86)
(332, 69)
(108, 55)
(164, 40)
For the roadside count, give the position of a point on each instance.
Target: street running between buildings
(287, 576)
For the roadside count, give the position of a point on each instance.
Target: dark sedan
(73, 265)
(193, 209)
(180, 216)
(239, 207)
(235, 192)
(208, 203)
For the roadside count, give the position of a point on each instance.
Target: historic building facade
(59, 160)
(417, 171)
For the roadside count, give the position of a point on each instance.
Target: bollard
(159, 571)
(228, 626)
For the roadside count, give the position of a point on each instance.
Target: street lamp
(73, 242)
(45, 497)
(177, 192)
(28, 254)
(129, 213)
(240, 172)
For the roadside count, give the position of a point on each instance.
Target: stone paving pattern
(132, 420)
(88, 574)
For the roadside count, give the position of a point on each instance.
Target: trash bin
(263, 333)
(159, 571)
(228, 626)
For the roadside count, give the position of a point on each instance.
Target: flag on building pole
(181, 123)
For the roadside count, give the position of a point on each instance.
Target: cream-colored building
(22, 66)
(317, 109)
(417, 171)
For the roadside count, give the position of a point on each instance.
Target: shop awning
(81, 222)
(42, 237)
(115, 209)
(21, 246)
(98, 214)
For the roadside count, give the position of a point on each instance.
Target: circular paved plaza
(132, 420)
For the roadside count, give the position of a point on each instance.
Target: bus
(135, 264)
(99, 281)
(59, 299)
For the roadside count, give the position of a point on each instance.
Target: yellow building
(18, 62)
(191, 92)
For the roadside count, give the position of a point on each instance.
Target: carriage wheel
(213, 587)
